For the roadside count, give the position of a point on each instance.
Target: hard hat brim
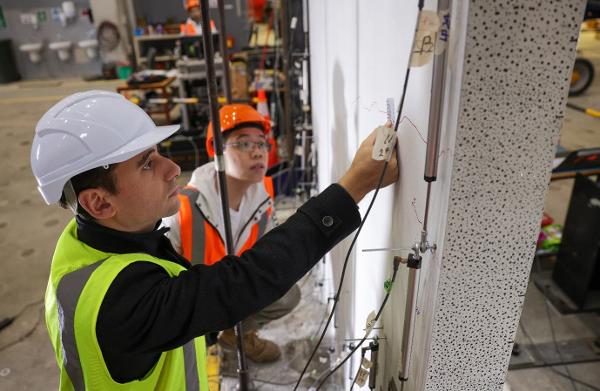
(140, 144)
(52, 191)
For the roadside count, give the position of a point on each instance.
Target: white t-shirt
(236, 224)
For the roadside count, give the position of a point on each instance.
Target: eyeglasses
(248, 146)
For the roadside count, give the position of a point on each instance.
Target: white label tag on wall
(370, 323)
(361, 377)
(391, 111)
(425, 38)
(384, 143)
(366, 363)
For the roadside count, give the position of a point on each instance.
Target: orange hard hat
(233, 117)
(189, 4)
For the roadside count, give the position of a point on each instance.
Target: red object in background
(256, 10)
(547, 220)
(263, 108)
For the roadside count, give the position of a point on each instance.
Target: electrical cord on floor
(337, 294)
(551, 323)
(297, 355)
(385, 299)
(8, 321)
(551, 367)
(28, 333)
(258, 380)
(275, 382)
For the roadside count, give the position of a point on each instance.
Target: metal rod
(431, 163)
(288, 129)
(409, 321)
(218, 144)
(224, 54)
(368, 250)
(374, 346)
(436, 105)
(305, 94)
(426, 217)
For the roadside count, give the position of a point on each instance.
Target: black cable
(337, 295)
(547, 305)
(258, 380)
(385, 299)
(9, 320)
(336, 298)
(550, 366)
(28, 333)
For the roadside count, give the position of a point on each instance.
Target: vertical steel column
(431, 163)
(224, 54)
(220, 166)
(287, 98)
(436, 105)
(414, 266)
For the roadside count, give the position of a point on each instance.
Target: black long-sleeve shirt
(146, 312)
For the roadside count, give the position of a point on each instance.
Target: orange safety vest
(201, 242)
(189, 28)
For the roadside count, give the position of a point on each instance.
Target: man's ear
(97, 202)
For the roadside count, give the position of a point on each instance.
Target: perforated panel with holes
(517, 64)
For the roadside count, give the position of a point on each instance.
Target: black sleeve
(146, 311)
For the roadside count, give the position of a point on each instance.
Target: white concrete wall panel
(508, 72)
(517, 67)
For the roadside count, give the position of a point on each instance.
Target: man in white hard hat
(123, 309)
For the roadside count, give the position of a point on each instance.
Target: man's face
(247, 166)
(146, 190)
(195, 14)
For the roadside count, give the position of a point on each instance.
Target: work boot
(257, 349)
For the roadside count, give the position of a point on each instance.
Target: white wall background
(359, 53)
(506, 87)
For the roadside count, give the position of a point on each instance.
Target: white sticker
(366, 363)
(384, 143)
(361, 377)
(370, 322)
(429, 21)
(391, 111)
(293, 23)
(425, 39)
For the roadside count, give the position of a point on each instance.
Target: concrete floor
(29, 229)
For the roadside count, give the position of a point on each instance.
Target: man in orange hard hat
(197, 231)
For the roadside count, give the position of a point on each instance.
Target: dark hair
(96, 177)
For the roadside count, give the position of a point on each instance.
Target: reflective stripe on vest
(80, 276)
(67, 294)
(201, 243)
(193, 220)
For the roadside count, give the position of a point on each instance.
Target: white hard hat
(88, 130)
